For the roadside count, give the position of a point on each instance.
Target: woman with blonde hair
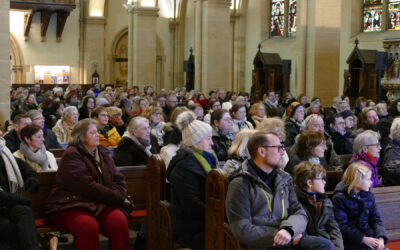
(238, 152)
(138, 106)
(356, 212)
(257, 114)
(154, 115)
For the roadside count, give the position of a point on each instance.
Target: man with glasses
(342, 140)
(261, 204)
(172, 102)
(50, 138)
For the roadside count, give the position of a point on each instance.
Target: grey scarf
(14, 175)
(40, 157)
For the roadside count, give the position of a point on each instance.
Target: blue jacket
(357, 216)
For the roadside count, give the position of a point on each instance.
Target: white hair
(67, 111)
(363, 139)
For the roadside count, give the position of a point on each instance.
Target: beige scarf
(258, 120)
(14, 175)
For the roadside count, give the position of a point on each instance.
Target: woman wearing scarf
(293, 122)
(33, 151)
(238, 113)
(17, 224)
(154, 115)
(187, 174)
(64, 126)
(222, 135)
(366, 148)
(257, 114)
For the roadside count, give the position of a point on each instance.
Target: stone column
(216, 49)
(5, 67)
(94, 48)
(142, 41)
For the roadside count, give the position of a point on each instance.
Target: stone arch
(17, 60)
(119, 63)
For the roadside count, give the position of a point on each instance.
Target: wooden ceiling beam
(28, 17)
(61, 19)
(45, 16)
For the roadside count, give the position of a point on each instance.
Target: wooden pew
(218, 234)
(159, 233)
(57, 152)
(333, 178)
(388, 202)
(135, 177)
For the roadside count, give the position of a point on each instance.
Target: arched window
(372, 15)
(283, 18)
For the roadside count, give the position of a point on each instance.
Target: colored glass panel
(372, 15)
(394, 15)
(292, 18)
(277, 18)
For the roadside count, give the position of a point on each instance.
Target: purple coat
(79, 183)
(364, 160)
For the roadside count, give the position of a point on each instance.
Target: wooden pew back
(388, 202)
(218, 235)
(135, 177)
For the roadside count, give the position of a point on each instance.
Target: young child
(310, 189)
(356, 211)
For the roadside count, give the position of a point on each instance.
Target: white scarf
(14, 175)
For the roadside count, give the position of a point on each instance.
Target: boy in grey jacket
(261, 203)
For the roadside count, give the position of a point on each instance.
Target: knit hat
(346, 113)
(292, 108)
(57, 89)
(193, 131)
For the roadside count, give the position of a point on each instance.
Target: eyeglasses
(320, 179)
(376, 145)
(103, 115)
(279, 147)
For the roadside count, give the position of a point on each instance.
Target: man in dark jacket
(137, 144)
(13, 139)
(261, 203)
(340, 137)
(50, 138)
(310, 190)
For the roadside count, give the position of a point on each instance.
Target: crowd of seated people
(276, 154)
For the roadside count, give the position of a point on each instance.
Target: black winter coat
(342, 143)
(292, 130)
(12, 141)
(357, 216)
(391, 164)
(221, 145)
(326, 226)
(130, 153)
(50, 139)
(188, 184)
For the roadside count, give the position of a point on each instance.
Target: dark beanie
(346, 113)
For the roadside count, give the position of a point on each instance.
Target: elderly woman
(89, 192)
(257, 114)
(366, 148)
(238, 151)
(187, 174)
(88, 104)
(391, 157)
(277, 126)
(238, 113)
(33, 151)
(108, 134)
(222, 135)
(154, 115)
(310, 147)
(115, 116)
(64, 126)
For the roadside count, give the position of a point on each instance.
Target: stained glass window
(277, 18)
(372, 15)
(292, 18)
(394, 15)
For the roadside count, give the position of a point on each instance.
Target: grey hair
(134, 123)
(395, 129)
(67, 111)
(310, 118)
(33, 113)
(79, 131)
(363, 139)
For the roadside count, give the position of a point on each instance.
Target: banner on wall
(52, 74)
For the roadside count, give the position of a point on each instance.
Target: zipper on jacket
(268, 201)
(283, 205)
